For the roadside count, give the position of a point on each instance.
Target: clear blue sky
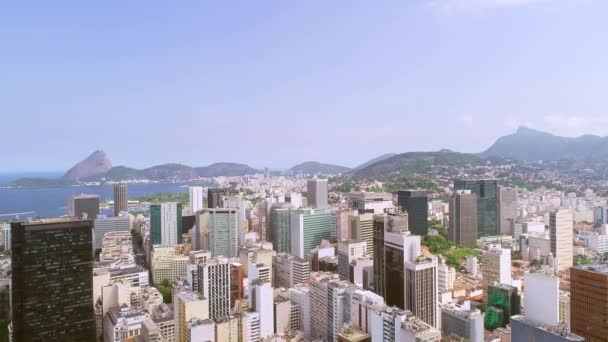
(274, 83)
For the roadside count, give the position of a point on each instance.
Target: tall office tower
(216, 231)
(52, 280)
(300, 299)
(399, 249)
(308, 228)
(195, 193)
(237, 279)
(507, 209)
(166, 224)
(215, 197)
(589, 301)
(319, 303)
(289, 271)
(600, 216)
(186, 306)
(105, 225)
(279, 232)
(362, 228)
(463, 218)
(381, 224)
(121, 198)
(564, 308)
(236, 202)
(84, 204)
(370, 202)
(561, 231)
(421, 290)
(416, 204)
(263, 304)
(348, 251)
(503, 302)
(495, 268)
(462, 321)
(541, 301)
(342, 224)
(526, 329)
(214, 281)
(396, 325)
(487, 204)
(316, 194)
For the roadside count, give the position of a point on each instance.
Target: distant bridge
(17, 214)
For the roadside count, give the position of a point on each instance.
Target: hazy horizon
(276, 84)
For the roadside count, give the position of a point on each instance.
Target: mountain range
(525, 145)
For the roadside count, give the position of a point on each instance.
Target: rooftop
(559, 330)
(597, 268)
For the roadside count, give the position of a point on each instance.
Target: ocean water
(53, 202)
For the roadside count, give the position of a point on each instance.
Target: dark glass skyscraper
(416, 203)
(52, 282)
(215, 198)
(487, 204)
(84, 204)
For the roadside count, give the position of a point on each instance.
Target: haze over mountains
(525, 145)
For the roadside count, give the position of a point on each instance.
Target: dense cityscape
(268, 257)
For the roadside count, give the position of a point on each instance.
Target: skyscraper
(348, 251)
(279, 232)
(215, 197)
(463, 219)
(503, 302)
(507, 209)
(495, 268)
(105, 225)
(400, 248)
(84, 204)
(166, 224)
(416, 204)
(589, 301)
(381, 224)
(316, 193)
(487, 204)
(421, 290)
(308, 228)
(217, 231)
(214, 284)
(121, 198)
(561, 234)
(52, 280)
(195, 193)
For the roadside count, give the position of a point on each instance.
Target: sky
(275, 83)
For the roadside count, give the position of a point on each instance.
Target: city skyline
(331, 70)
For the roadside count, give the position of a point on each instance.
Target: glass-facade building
(166, 224)
(52, 281)
(416, 204)
(487, 204)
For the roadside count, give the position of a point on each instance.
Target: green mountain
(418, 163)
(225, 169)
(528, 144)
(316, 168)
(375, 160)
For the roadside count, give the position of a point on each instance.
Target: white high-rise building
(348, 251)
(6, 236)
(289, 271)
(472, 265)
(196, 198)
(263, 304)
(319, 304)
(390, 324)
(370, 202)
(446, 276)
(166, 264)
(362, 303)
(561, 234)
(541, 300)
(495, 267)
(200, 330)
(236, 202)
(300, 298)
(214, 280)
